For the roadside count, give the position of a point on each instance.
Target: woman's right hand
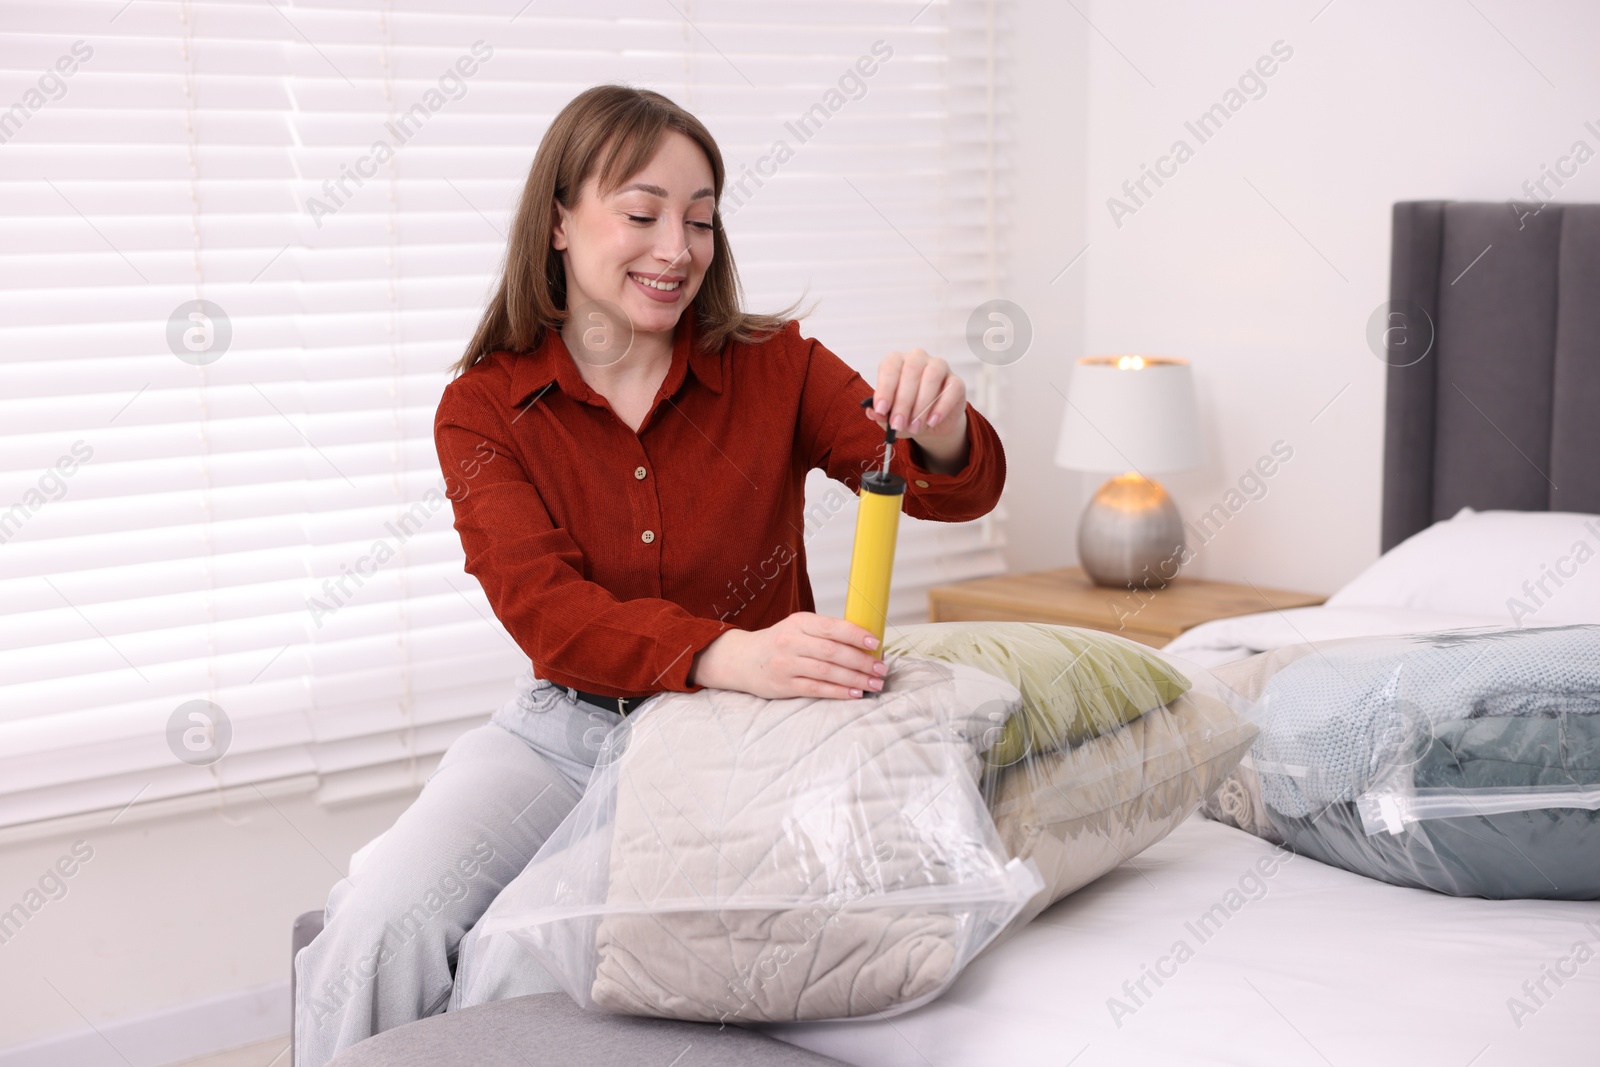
(805, 655)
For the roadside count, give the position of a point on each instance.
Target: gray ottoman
(549, 1030)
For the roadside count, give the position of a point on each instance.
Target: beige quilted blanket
(823, 859)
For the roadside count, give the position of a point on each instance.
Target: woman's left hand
(919, 397)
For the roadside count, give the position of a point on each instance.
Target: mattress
(1191, 954)
(1306, 965)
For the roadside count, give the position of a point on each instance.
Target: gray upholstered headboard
(1504, 410)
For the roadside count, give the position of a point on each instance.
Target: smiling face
(645, 245)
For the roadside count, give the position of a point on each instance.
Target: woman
(628, 483)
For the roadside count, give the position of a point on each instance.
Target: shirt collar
(552, 362)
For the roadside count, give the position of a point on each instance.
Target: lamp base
(1131, 534)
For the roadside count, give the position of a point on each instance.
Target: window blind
(242, 242)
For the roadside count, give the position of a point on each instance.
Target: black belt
(620, 705)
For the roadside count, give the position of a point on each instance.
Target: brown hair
(612, 129)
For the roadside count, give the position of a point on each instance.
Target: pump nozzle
(888, 438)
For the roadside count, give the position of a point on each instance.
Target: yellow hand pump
(872, 559)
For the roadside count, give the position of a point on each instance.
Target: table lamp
(1134, 414)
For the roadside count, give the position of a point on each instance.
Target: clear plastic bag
(743, 860)
(1116, 744)
(1467, 762)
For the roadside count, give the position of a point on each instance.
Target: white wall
(1044, 216)
(1263, 257)
(170, 910)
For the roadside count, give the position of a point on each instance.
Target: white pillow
(1536, 568)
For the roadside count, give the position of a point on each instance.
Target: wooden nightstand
(1067, 598)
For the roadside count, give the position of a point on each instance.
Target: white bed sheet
(1224, 640)
(1321, 967)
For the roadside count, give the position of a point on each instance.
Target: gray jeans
(400, 935)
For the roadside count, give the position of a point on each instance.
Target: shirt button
(648, 536)
(639, 472)
(921, 484)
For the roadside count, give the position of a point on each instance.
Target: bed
(1320, 966)
(1214, 946)
(1317, 965)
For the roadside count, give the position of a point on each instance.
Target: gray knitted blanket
(1335, 722)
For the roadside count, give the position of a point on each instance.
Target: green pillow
(1075, 684)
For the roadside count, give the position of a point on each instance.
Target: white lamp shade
(1130, 413)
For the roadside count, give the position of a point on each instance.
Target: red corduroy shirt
(613, 556)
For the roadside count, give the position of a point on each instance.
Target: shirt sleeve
(575, 631)
(835, 436)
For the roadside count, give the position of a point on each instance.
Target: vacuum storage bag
(744, 860)
(1114, 746)
(1467, 762)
